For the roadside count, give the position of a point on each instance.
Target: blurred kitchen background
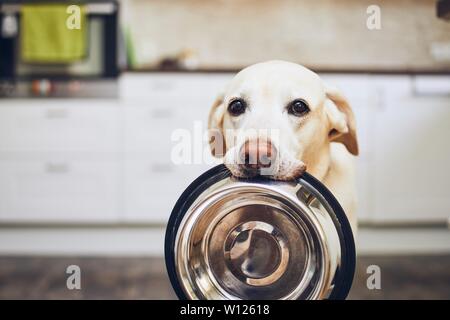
(86, 119)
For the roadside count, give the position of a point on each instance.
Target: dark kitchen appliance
(93, 76)
(443, 9)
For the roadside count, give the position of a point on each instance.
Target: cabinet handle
(162, 113)
(57, 167)
(56, 113)
(161, 167)
(378, 96)
(163, 85)
(423, 87)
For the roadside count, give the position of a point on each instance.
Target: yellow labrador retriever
(279, 119)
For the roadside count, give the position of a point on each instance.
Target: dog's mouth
(288, 172)
(246, 172)
(284, 167)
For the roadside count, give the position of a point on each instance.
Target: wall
(324, 35)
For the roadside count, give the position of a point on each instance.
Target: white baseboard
(91, 241)
(395, 241)
(149, 241)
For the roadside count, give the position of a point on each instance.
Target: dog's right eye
(237, 107)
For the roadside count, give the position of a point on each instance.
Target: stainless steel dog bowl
(230, 238)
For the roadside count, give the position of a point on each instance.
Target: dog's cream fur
(322, 141)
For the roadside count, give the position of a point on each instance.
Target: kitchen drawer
(152, 187)
(148, 128)
(411, 177)
(167, 85)
(58, 190)
(175, 109)
(52, 125)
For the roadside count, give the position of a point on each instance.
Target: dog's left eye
(298, 108)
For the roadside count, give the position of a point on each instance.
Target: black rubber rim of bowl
(345, 274)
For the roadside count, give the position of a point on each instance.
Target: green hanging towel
(46, 38)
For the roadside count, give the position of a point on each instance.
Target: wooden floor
(418, 277)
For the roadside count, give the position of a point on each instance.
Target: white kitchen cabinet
(410, 176)
(58, 190)
(59, 125)
(154, 108)
(148, 128)
(153, 186)
(59, 160)
(103, 161)
(157, 105)
(160, 106)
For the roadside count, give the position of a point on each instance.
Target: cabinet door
(152, 187)
(412, 153)
(59, 125)
(151, 122)
(155, 107)
(58, 190)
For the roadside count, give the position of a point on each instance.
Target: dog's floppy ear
(215, 128)
(342, 119)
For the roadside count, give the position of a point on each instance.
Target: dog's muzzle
(260, 157)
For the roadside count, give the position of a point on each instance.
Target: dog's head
(275, 118)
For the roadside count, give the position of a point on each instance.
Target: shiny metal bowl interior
(257, 239)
